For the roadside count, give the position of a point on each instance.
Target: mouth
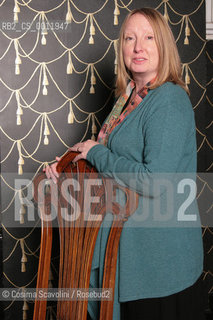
(139, 59)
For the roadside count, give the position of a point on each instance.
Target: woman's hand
(83, 148)
(51, 172)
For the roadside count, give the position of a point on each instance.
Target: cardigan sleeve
(169, 143)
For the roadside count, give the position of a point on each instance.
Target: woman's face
(140, 51)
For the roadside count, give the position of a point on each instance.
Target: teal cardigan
(155, 258)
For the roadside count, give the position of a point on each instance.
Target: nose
(139, 45)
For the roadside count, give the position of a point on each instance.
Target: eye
(150, 37)
(128, 38)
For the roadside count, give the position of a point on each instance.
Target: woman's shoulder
(169, 101)
(171, 89)
(173, 95)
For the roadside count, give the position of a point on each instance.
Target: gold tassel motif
(187, 77)
(69, 14)
(93, 137)
(25, 309)
(116, 14)
(18, 120)
(186, 40)
(22, 212)
(46, 131)
(24, 257)
(16, 10)
(187, 31)
(92, 80)
(44, 91)
(91, 31)
(17, 69)
(94, 128)
(71, 117)
(92, 90)
(166, 16)
(19, 111)
(45, 82)
(43, 31)
(91, 40)
(20, 164)
(22, 209)
(20, 160)
(43, 40)
(69, 65)
(17, 59)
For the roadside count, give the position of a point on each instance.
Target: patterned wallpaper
(58, 60)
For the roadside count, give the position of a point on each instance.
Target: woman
(150, 130)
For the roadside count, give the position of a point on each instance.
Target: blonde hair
(169, 68)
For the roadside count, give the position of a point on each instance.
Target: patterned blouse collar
(117, 115)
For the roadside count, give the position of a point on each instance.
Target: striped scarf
(116, 116)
